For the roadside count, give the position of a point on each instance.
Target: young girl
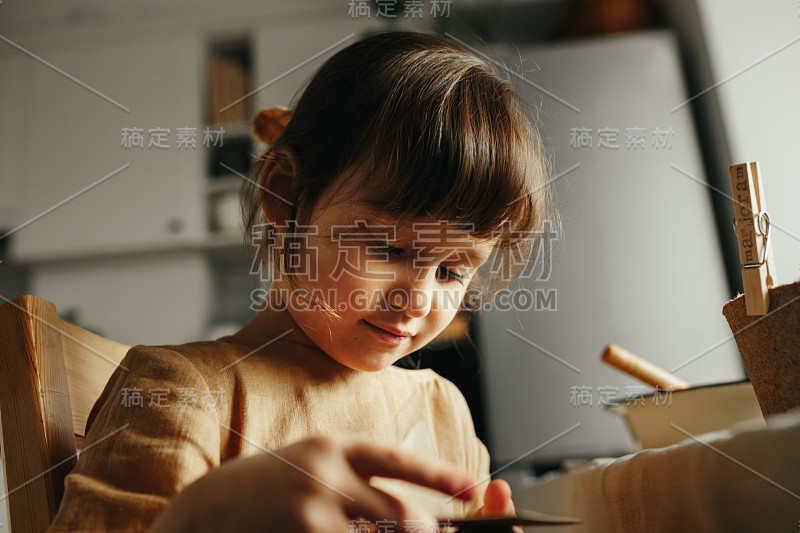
(406, 166)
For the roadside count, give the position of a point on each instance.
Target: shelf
(223, 184)
(224, 241)
(229, 66)
(214, 242)
(229, 69)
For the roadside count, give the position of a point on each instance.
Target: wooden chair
(51, 373)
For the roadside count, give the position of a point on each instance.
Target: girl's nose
(413, 295)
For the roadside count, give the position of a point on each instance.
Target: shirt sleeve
(477, 465)
(458, 433)
(152, 432)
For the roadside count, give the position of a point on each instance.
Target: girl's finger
(497, 499)
(375, 460)
(374, 504)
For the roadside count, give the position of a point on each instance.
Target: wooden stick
(748, 198)
(641, 369)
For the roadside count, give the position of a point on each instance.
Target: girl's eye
(445, 274)
(386, 250)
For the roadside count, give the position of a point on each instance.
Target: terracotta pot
(770, 347)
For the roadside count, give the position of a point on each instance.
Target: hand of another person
(318, 484)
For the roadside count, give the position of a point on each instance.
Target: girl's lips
(387, 335)
(393, 330)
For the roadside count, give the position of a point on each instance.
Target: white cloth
(746, 478)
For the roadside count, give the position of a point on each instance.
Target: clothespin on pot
(753, 229)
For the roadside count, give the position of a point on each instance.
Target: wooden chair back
(51, 373)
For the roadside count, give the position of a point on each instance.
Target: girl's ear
(277, 187)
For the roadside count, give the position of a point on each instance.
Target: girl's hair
(425, 131)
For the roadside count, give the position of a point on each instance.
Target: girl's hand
(319, 484)
(497, 500)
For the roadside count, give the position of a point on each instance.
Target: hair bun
(270, 123)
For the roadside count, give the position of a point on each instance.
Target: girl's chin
(367, 363)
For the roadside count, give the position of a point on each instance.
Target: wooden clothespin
(752, 225)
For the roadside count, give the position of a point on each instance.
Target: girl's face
(395, 286)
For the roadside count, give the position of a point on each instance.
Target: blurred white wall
(639, 263)
(147, 299)
(754, 52)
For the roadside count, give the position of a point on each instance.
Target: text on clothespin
(752, 225)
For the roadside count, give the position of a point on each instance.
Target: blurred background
(119, 176)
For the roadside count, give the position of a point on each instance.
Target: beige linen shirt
(171, 413)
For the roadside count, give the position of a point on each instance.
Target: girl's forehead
(349, 220)
(367, 218)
